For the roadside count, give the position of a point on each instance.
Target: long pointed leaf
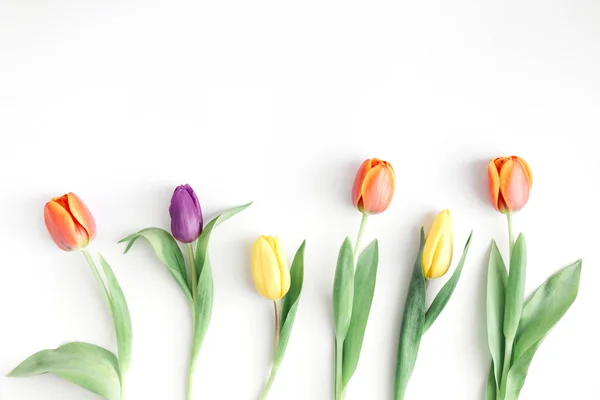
(491, 387)
(518, 372)
(86, 365)
(290, 303)
(168, 252)
(442, 298)
(412, 326)
(546, 306)
(343, 290)
(121, 317)
(497, 279)
(364, 287)
(515, 289)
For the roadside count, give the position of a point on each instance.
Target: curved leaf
(490, 387)
(168, 252)
(546, 306)
(497, 279)
(364, 287)
(121, 317)
(442, 298)
(290, 304)
(515, 288)
(86, 365)
(343, 290)
(518, 372)
(412, 326)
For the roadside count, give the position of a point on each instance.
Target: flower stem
(99, 279)
(194, 280)
(190, 379)
(275, 366)
(339, 352)
(361, 230)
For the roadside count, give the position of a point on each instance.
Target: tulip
(373, 186)
(186, 214)
(437, 252)
(510, 181)
(69, 222)
(269, 268)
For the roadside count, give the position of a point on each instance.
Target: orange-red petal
(378, 188)
(60, 225)
(493, 183)
(514, 184)
(82, 214)
(358, 183)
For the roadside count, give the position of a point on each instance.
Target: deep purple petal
(196, 202)
(186, 218)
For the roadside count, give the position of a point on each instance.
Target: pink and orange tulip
(373, 186)
(510, 181)
(69, 222)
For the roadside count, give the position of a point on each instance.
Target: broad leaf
(168, 252)
(515, 288)
(203, 308)
(86, 365)
(343, 290)
(518, 372)
(491, 387)
(290, 304)
(364, 287)
(442, 298)
(496, 293)
(121, 317)
(412, 326)
(546, 306)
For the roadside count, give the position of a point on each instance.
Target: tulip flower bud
(269, 268)
(373, 186)
(510, 181)
(69, 222)
(439, 244)
(186, 214)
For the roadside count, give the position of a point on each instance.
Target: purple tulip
(186, 215)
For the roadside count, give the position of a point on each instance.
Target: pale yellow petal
(435, 242)
(265, 269)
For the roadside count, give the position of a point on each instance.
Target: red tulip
(69, 222)
(373, 186)
(510, 181)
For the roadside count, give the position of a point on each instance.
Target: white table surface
(279, 102)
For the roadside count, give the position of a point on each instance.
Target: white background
(279, 102)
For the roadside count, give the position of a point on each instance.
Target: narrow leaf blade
(343, 290)
(86, 365)
(491, 387)
(121, 316)
(497, 279)
(290, 304)
(518, 372)
(515, 289)
(442, 298)
(364, 287)
(412, 326)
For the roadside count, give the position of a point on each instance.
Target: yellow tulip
(270, 268)
(437, 253)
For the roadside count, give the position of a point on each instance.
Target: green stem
(508, 344)
(339, 385)
(191, 373)
(361, 230)
(275, 367)
(511, 236)
(194, 280)
(99, 279)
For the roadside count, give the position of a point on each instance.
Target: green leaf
(168, 252)
(442, 298)
(515, 288)
(364, 287)
(412, 326)
(343, 290)
(546, 306)
(290, 304)
(497, 279)
(490, 387)
(518, 372)
(86, 365)
(121, 317)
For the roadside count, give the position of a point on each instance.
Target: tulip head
(373, 186)
(269, 268)
(510, 181)
(69, 222)
(439, 244)
(186, 214)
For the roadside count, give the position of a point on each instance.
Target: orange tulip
(510, 181)
(373, 186)
(69, 222)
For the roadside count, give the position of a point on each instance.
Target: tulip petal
(378, 188)
(265, 269)
(438, 245)
(442, 257)
(81, 214)
(61, 226)
(358, 183)
(284, 269)
(527, 170)
(493, 183)
(514, 184)
(186, 221)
